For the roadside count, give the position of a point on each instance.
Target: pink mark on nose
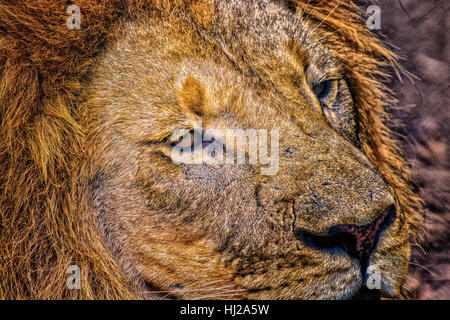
(363, 239)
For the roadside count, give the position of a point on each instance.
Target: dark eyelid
(191, 133)
(336, 75)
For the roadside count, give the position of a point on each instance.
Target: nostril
(357, 241)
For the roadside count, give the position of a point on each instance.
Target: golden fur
(46, 220)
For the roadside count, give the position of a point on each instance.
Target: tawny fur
(44, 67)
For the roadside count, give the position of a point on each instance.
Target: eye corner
(177, 136)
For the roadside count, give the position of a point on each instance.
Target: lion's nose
(357, 241)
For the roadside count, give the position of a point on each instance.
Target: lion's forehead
(269, 26)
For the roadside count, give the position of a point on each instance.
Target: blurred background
(420, 30)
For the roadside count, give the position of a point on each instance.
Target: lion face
(308, 230)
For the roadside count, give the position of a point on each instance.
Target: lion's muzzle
(358, 241)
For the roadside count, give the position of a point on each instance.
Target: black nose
(357, 241)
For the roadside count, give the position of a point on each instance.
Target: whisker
(307, 13)
(187, 291)
(324, 19)
(405, 276)
(327, 35)
(209, 283)
(228, 292)
(418, 245)
(202, 284)
(423, 267)
(411, 291)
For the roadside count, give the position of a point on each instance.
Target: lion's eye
(184, 139)
(321, 89)
(337, 105)
(326, 91)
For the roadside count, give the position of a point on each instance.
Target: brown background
(420, 28)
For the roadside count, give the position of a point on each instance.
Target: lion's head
(90, 177)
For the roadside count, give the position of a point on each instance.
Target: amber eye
(326, 91)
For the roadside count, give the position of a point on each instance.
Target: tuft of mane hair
(45, 224)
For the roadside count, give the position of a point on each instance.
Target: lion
(89, 121)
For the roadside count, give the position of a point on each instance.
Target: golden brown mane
(44, 226)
